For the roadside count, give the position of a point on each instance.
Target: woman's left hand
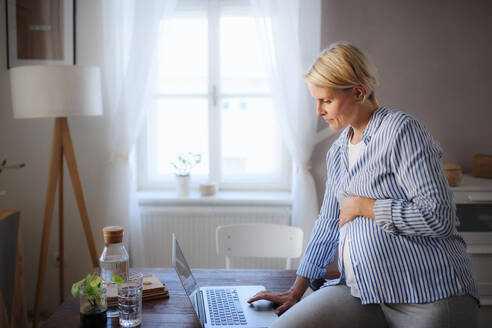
(354, 206)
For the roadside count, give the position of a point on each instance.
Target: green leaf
(95, 281)
(76, 286)
(117, 279)
(90, 290)
(93, 284)
(4, 162)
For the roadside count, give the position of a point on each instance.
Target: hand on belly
(354, 206)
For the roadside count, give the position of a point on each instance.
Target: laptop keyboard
(224, 307)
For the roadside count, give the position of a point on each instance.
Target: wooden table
(177, 311)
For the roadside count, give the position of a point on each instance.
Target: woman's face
(338, 107)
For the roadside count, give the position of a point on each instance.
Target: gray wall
(435, 63)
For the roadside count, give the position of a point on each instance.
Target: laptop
(220, 306)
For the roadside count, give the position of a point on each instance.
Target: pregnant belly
(375, 249)
(371, 245)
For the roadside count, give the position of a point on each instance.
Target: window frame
(214, 97)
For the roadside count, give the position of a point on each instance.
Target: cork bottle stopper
(113, 235)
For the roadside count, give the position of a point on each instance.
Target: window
(212, 97)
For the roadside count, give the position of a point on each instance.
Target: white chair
(259, 240)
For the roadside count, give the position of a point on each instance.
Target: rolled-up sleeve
(428, 209)
(321, 248)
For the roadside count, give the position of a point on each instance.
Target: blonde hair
(341, 66)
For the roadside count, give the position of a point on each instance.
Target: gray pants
(334, 306)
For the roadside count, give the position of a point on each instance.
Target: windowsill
(156, 198)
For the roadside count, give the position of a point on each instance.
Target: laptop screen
(183, 269)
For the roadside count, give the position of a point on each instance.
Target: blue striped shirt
(411, 252)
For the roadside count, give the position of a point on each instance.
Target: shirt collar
(374, 122)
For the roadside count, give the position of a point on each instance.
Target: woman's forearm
(428, 217)
(299, 287)
(366, 207)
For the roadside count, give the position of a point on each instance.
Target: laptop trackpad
(262, 305)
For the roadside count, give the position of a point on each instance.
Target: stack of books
(152, 289)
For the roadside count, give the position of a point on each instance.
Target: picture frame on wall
(40, 32)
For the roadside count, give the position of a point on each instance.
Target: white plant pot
(183, 185)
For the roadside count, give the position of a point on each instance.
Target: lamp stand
(62, 147)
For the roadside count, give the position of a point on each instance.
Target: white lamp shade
(55, 91)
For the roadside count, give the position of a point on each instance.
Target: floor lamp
(58, 92)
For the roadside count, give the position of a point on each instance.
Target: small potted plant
(182, 168)
(93, 303)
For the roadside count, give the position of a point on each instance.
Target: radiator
(195, 226)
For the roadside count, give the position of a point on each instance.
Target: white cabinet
(473, 200)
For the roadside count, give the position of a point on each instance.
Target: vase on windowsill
(182, 165)
(183, 185)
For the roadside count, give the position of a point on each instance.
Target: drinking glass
(130, 300)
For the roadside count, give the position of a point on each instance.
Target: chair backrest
(259, 240)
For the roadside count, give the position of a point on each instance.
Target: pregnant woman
(388, 209)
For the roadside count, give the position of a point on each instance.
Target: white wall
(29, 141)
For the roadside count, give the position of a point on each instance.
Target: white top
(354, 152)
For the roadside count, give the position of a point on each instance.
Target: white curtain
(130, 39)
(290, 31)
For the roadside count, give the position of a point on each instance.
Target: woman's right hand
(285, 299)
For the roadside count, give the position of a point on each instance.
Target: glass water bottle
(113, 260)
